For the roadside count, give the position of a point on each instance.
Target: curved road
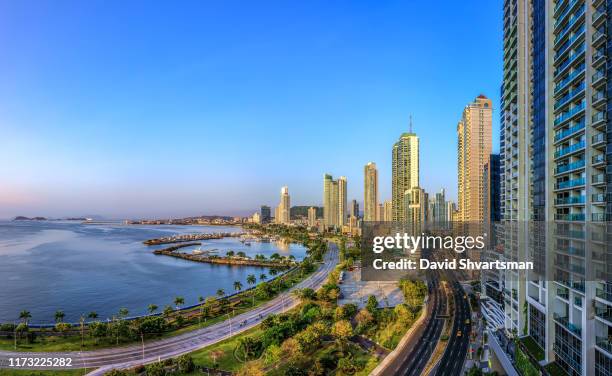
(125, 357)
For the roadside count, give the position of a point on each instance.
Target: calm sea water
(50, 266)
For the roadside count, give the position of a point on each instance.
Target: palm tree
(152, 308)
(168, 311)
(263, 277)
(59, 316)
(273, 272)
(237, 286)
(25, 316)
(179, 301)
(251, 280)
(220, 293)
(93, 315)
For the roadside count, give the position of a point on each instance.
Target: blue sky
(139, 108)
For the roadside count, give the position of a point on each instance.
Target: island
(22, 218)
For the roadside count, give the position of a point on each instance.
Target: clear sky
(140, 108)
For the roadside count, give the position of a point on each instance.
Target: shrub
(185, 363)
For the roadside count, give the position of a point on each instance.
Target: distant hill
(22, 218)
(302, 211)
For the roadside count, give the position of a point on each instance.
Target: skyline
(116, 105)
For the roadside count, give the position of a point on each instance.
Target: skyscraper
(265, 214)
(283, 210)
(330, 201)
(474, 146)
(405, 171)
(342, 202)
(354, 209)
(555, 143)
(312, 216)
(334, 201)
(370, 191)
(439, 209)
(387, 211)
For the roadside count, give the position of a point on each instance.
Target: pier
(223, 260)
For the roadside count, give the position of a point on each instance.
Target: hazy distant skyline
(140, 109)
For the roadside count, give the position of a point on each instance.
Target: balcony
(570, 131)
(598, 16)
(563, 293)
(563, 321)
(575, 73)
(575, 36)
(599, 37)
(602, 294)
(598, 99)
(598, 179)
(577, 53)
(598, 119)
(567, 11)
(598, 197)
(604, 343)
(598, 217)
(569, 96)
(597, 159)
(598, 139)
(570, 149)
(569, 114)
(569, 167)
(604, 313)
(598, 78)
(578, 217)
(570, 200)
(598, 57)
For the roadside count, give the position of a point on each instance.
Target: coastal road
(100, 361)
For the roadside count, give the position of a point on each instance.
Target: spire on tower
(410, 129)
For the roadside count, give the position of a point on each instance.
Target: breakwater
(227, 260)
(190, 238)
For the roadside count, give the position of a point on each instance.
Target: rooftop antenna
(410, 129)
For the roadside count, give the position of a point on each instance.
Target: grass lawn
(534, 349)
(73, 343)
(225, 350)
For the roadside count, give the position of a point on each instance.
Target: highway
(124, 357)
(415, 353)
(452, 361)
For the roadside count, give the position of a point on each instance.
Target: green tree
(342, 330)
(179, 301)
(237, 286)
(220, 293)
(372, 304)
(152, 308)
(123, 312)
(263, 277)
(25, 316)
(92, 315)
(185, 364)
(59, 316)
(229, 253)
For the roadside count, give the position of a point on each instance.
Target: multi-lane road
(414, 354)
(452, 361)
(100, 361)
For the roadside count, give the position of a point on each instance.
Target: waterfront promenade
(100, 361)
